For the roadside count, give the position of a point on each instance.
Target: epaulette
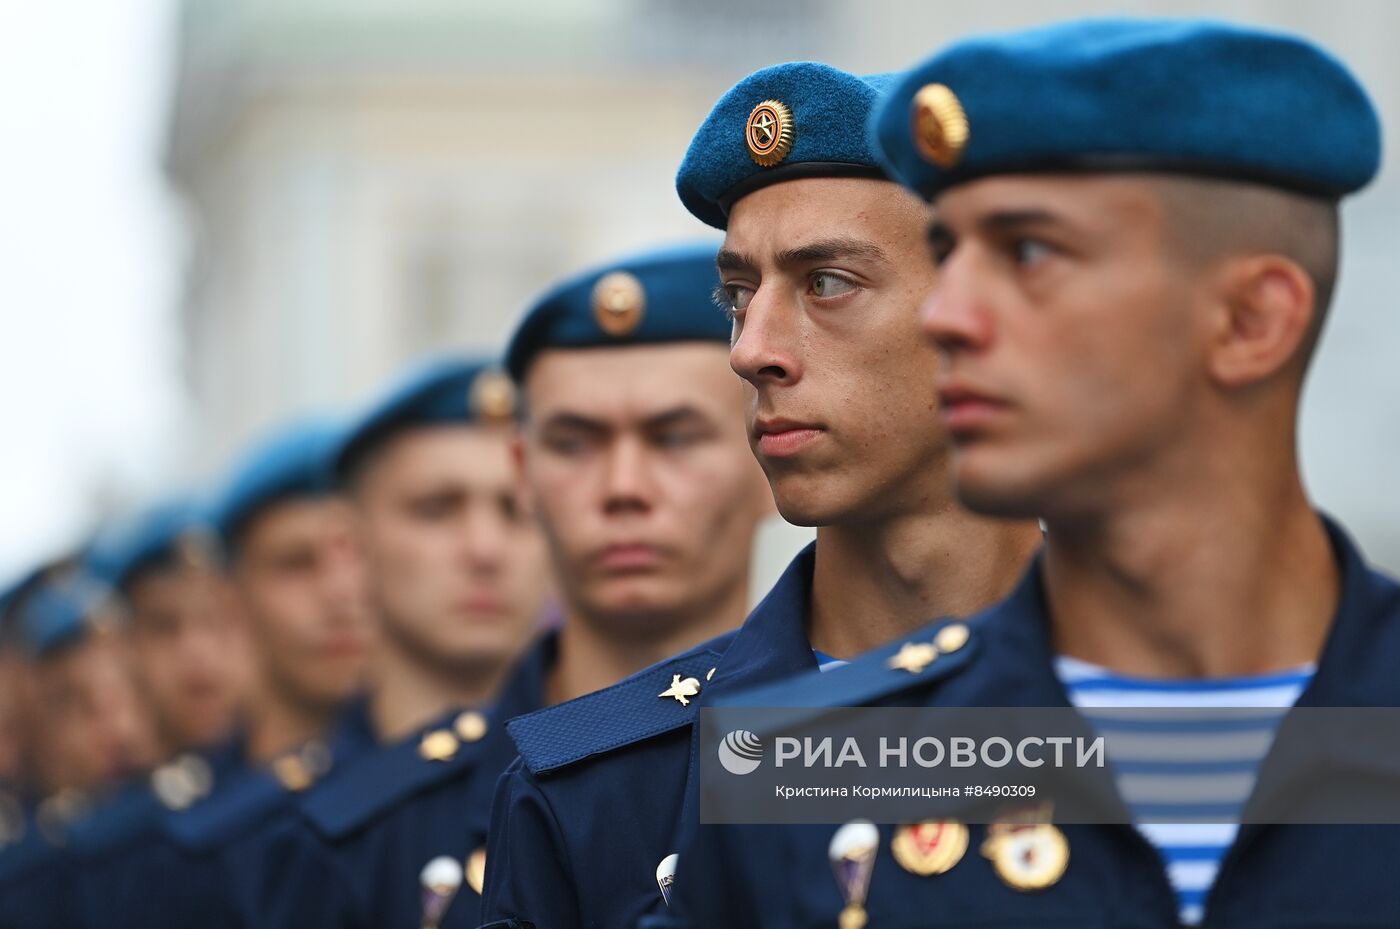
(246, 800)
(652, 701)
(917, 660)
(379, 781)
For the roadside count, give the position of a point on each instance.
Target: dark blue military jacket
(114, 853)
(603, 783)
(779, 877)
(206, 861)
(354, 856)
(35, 878)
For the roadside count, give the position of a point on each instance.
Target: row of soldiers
(1022, 331)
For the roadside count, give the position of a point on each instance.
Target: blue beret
(666, 295)
(801, 119)
(12, 597)
(443, 391)
(158, 535)
(1187, 96)
(61, 612)
(296, 462)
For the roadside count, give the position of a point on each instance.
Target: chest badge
(666, 876)
(440, 879)
(852, 854)
(1027, 857)
(476, 870)
(930, 847)
(682, 690)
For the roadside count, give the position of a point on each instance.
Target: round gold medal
(930, 847)
(1028, 857)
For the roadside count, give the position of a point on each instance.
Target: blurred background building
(360, 182)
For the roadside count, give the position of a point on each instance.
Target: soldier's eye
(678, 438)
(827, 284)
(733, 298)
(1030, 252)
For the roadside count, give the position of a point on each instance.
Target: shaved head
(1213, 220)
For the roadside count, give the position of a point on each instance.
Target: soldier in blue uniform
(28, 857)
(189, 665)
(458, 579)
(638, 472)
(822, 271)
(296, 581)
(1135, 224)
(188, 654)
(90, 734)
(16, 711)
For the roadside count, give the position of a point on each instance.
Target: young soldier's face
(16, 714)
(638, 468)
(93, 727)
(457, 570)
(825, 277)
(300, 583)
(1070, 356)
(189, 656)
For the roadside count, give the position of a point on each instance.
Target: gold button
(951, 638)
(293, 772)
(439, 745)
(471, 726)
(913, 657)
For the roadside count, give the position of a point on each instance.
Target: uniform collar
(384, 778)
(353, 731)
(772, 643)
(524, 688)
(523, 693)
(1356, 667)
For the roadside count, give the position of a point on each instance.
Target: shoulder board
(912, 663)
(244, 802)
(653, 701)
(379, 782)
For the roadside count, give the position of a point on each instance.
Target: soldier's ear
(1260, 320)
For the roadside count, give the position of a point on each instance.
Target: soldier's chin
(809, 499)
(989, 494)
(651, 610)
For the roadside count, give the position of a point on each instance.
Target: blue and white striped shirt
(1186, 780)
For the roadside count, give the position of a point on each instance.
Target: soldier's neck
(597, 652)
(877, 581)
(277, 723)
(407, 693)
(1205, 581)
